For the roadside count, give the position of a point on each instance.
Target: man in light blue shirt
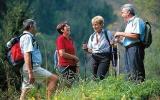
(136, 26)
(32, 71)
(132, 37)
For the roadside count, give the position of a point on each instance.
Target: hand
(77, 69)
(112, 42)
(117, 34)
(115, 40)
(76, 59)
(84, 46)
(31, 78)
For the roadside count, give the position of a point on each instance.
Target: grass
(108, 89)
(111, 88)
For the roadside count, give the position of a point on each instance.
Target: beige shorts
(40, 75)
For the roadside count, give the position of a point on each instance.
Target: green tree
(78, 13)
(149, 11)
(16, 12)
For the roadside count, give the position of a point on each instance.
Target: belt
(134, 44)
(101, 55)
(105, 53)
(67, 66)
(36, 65)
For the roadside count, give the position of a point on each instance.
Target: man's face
(124, 13)
(34, 28)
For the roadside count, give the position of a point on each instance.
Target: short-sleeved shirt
(103, 45)
(28, 45)
(137, 26)
(67, 44)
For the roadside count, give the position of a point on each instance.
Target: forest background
(48, 13)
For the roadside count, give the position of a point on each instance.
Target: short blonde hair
(98, 19)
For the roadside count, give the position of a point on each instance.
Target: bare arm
(62, 53)
(85, 48)
(28, 63)
(128, 35)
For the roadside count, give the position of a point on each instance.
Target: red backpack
(14, 55)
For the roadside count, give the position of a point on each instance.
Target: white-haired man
(132, 36)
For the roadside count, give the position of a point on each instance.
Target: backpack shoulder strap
(106, 35)
(147, 24)
(22, 34)
(33, 40)
(92, 36)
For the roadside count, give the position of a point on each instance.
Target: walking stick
(118, 60)
(84, 47)
(115, 56)
(114, 62)
(85, 62)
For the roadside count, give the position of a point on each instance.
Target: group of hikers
(98, 46)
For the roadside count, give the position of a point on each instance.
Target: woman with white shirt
(100, 48)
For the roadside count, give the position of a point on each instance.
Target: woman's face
(97, 27)
(66, 29)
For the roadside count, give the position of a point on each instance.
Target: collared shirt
(28, 45)
(102, 46)
(137, 26)
(67, 44)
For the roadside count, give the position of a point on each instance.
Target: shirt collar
(66, 37)
(28, 32)
(131, 19)
(100, 32)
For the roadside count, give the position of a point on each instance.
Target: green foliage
(77, 13)
(48, 13)
(16, 11)
(47, 48)
(149, 11)
(109, 89)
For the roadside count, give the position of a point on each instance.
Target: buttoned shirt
(28, 45)
(102, 46)
(135, 25)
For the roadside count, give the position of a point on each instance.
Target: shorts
(40, 75)
(68, 73)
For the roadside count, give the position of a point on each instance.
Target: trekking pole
(118, 60)
(85, 59)
(115, 56)
(113, 60)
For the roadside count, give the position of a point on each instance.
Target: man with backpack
(132, 41)
(32, 71)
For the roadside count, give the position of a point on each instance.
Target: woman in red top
(67, 59)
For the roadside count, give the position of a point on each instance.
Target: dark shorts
(68, 73)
